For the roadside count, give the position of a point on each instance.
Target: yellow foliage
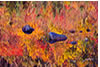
(55, 29)
(67, 2)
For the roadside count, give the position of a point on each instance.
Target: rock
(54, 37)
(27, 29)
(86, 39)
(73, 42)
(72, 31)
(88, 30)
